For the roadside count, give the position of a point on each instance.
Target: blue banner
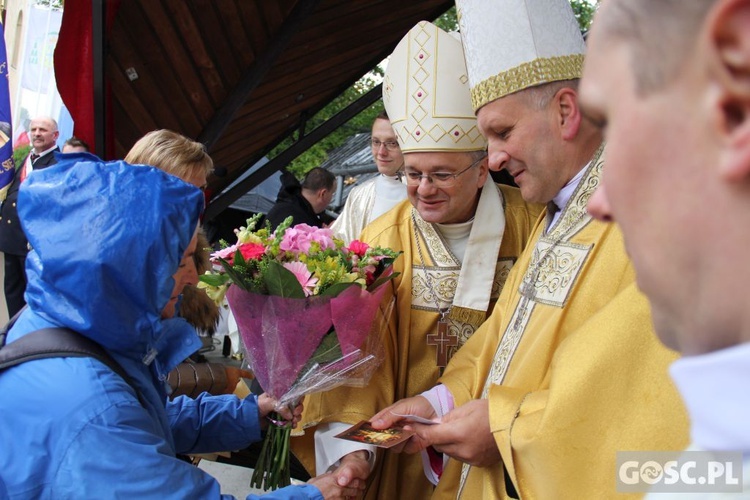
(7, 168)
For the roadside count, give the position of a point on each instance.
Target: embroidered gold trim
(558, 273)
(466, 315)
(436, 247)
(523, 76)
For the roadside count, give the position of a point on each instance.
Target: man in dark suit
(305, 202)
(13, 243)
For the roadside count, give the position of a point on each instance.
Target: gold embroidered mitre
(426, 93)
(511, 45)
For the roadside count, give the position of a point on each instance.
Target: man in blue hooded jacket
(113, 248)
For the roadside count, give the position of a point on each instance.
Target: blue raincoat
(106, 238)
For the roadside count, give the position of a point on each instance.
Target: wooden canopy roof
(242, 75)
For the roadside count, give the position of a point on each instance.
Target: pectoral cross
(443, 340)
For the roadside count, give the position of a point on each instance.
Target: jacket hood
(107, 238)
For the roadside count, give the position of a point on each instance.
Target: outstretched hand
(329, 486)
(463, 434)
(353, 470)
(266, 404)
(391, 416)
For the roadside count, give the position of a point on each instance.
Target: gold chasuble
(571, 366)
(426, 285)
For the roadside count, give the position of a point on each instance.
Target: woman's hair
(171, 152)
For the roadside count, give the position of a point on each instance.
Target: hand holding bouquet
(305, 304)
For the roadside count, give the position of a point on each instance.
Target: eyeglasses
(437, 179)
(389, 145)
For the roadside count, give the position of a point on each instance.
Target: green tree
(318, 153)
(584, 12)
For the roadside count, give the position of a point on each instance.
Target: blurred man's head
(318, 188)
(427, 98)
(668, 82)
(75, 145)
(43, 133)
(175, 154)
(385, 148)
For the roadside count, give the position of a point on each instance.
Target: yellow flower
(215, 293)
(245, 236)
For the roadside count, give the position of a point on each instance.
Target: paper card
(415, 418)
(362, 432)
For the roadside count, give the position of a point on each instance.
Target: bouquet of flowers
(305, 304)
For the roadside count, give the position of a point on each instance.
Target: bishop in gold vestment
(410, 365)
(573, 374)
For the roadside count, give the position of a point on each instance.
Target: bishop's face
(445, 205)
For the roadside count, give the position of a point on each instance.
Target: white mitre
(426, 93)
(511, 45)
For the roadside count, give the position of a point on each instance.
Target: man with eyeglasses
(376, 196)
(566, 372)
(460, 234)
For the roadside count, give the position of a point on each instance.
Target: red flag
(74, 69)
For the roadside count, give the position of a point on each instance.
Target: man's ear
(728, 26)
(569, 114)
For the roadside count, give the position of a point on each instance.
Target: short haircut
(539, 96)
(75, 142)
(382, 116)
(661, 35)
(171, 152)
(318, 178)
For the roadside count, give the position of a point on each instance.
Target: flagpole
(42, 66)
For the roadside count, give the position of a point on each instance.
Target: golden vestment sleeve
(409, 367)
(587, 378)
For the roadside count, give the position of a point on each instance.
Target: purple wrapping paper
(280, 334)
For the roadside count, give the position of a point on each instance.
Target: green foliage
(55, 4)
(448, 21)
(362, 123)
(584, 11)
(19, 154)
(280, 281)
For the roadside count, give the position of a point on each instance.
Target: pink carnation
(304, 277)
(225, 253)
(358, 247)
(252, 251)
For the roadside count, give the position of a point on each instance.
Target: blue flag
(7, 168)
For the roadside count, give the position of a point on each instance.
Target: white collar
(390, 180)
(563, 196)
(716, 391)
(457, 230)
(45, 151)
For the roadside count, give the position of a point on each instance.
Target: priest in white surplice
(374, 197)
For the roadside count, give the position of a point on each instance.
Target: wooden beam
(99, 48)
(255, 74)
(222, 202)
